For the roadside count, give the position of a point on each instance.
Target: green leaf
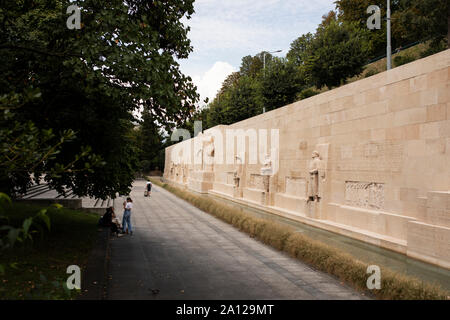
(26, 225)
(5, 198)
(42, 215)
(13, 236)
(57, 206)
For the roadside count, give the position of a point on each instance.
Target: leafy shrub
(321, 256)
(401, 60)
(371, 72)
(306, 93)
(434, 48)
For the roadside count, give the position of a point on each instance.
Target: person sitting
(106, 220)
(109, 220)
(115, 225)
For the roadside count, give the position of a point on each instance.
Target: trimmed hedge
(394, 286)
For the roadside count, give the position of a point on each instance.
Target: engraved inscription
(368, 195)
(380, 157)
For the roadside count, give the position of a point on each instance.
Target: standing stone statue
(198, 149)
(209, 153)
(266, 169)
(313, 186)
(236, 179)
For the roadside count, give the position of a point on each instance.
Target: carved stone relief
(368, 195)
(257, 182)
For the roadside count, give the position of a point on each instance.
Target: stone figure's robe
(313, 185)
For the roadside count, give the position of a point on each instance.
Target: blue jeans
(126, 221)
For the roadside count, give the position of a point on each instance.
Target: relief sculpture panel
(257, 182)
(369, 195)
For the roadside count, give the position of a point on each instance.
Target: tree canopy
(412, 20)
(338, 51)
(92, 80)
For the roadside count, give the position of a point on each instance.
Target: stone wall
(384, 166)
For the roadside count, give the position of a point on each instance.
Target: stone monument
(314, 172)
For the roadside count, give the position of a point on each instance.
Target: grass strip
(394, 286)
(37, 270)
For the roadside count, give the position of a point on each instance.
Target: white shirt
(129, 206)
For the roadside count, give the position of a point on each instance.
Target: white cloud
(227, 30)
(211, 81)
(249, 26)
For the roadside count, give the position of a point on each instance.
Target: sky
(224, 31)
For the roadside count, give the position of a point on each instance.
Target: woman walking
(126, 221)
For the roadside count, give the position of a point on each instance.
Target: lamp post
(264, 67)
(374, 22)
(264, 59)
(388, 31)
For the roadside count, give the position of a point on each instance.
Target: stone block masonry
(383, 171)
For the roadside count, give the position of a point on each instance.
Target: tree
(238, 102)
(229, 82)
(412, 20)
(218, 110)
(281, 84)
(25, 149)
(327, 19)
(338, 51)
(93, 79)
(245, 100)
(251, 66)
(300, 49)
(418, 20)
(150, 143)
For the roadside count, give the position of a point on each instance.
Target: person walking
(126, 221)
(149, 188)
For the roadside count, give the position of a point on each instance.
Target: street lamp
(264, 59)
(374, 22)
(264, 67)
(388, 31)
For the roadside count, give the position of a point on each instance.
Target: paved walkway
(180, 252)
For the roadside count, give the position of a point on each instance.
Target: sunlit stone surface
(383, 168)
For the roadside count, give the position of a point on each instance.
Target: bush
(434, 48)
(371, 72)
(307, 93)
(401, 60)
(394, 286)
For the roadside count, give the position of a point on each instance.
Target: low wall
(67, 203)
(383, 166)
